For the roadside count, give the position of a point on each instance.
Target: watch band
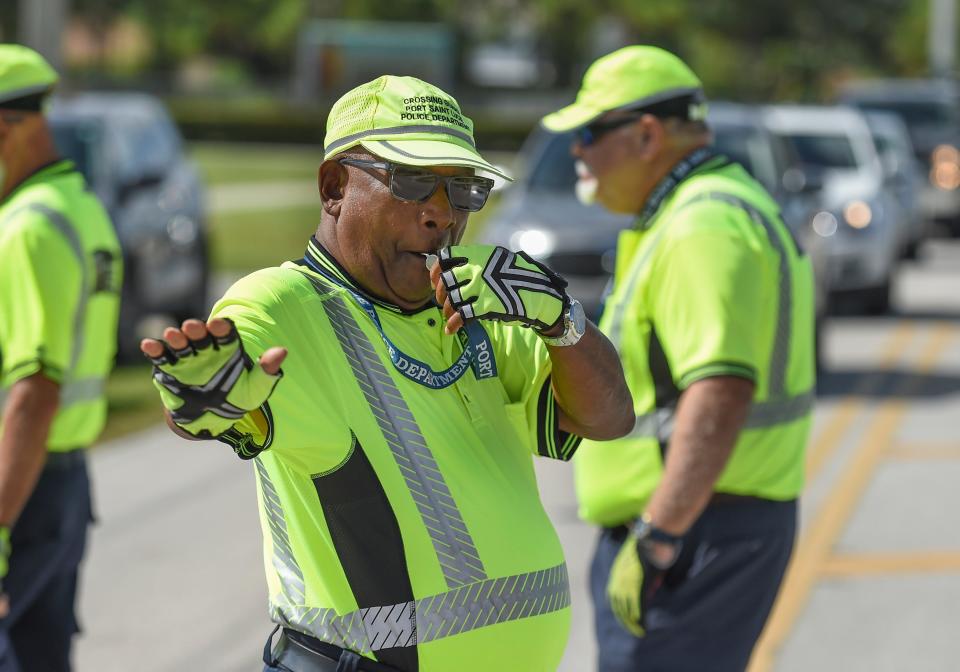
(574, 326)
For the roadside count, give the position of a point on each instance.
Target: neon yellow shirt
(60, 276)
(714, 286)
(401, 521)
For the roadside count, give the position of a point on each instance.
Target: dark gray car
(132, 156)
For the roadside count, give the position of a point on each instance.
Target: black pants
(47, 543)
(715, 599)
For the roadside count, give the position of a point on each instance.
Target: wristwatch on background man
(574, 326)
(654, 544)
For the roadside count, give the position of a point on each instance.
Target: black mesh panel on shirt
(366, 535)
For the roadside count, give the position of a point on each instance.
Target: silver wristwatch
(574, 326)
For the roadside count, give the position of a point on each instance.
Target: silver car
(132, 156)
(857, 215)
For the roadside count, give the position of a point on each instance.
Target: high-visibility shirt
(714, 286)
(402, 520)
(60, 278)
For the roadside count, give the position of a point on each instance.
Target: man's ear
(651, 137)
(331, 179)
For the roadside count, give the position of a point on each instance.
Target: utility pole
(942, 37)
(41, 25)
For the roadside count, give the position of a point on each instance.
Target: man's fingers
(219, 327)
(439, 289)
(271, 360)
(195, 330)
(175, 338)
(151, 347)
(454, 324)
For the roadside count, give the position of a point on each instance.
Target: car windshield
(554, 169)
(917, 113)
(76, 140)
(747, 147)
(823, 151)
(146, 144)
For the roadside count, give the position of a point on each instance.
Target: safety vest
(397, 494)
(60, 278)
(711, 284)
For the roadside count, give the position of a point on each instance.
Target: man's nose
(437, 212)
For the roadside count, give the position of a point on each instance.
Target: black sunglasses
(591, 133)
(408, 183)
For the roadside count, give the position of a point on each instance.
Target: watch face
(578, 317)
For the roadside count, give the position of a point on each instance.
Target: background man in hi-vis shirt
(712, 313)
(60, 276)
(402, 524)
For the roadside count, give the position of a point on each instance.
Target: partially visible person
(712, 312)
(60, 274)
(402, 524)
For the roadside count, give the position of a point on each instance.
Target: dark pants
(713, 603)
(47, 543)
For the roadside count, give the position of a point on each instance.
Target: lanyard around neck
(477, 350)
(681, 171)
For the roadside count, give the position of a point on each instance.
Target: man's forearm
(590, 389)
(30, 409)
(709, 418)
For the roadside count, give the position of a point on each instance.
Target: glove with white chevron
(210, 384)
(485, 282)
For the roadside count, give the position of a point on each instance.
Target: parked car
(739, 133)
(132, 156)
(930, 108)
(901, 175)
(541, 216)
(835, 149)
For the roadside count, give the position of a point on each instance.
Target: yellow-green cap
(631, 77)
(23, 72)
(404, 120)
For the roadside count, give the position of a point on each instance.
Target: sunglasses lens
(412, 184)
(469, 193)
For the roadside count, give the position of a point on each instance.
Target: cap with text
(23, 72)
(407, 121)
(631, 78)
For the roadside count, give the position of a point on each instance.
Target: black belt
(65, 459)
(298, 652)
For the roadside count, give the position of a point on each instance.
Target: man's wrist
(659, 547)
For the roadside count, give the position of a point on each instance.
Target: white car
(859, 218)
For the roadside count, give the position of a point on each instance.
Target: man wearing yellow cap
(711, 311)
(402, 524)
(59, 301)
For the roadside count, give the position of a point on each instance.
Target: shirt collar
(45, 172)
(320, 257)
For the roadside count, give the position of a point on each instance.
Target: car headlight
(945, 167)
(858, 214)
(824, 223)
(535, 242)
(183, 230)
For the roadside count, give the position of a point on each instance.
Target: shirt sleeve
(713, 290)
(41, 282)
(523, 364)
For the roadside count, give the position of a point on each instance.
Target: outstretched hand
(205, 377)
(196, 330)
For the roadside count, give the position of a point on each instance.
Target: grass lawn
(226, 163)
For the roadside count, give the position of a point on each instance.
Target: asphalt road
(173, 580)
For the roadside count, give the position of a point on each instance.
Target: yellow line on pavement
(815, 545)
(847, 410)
(859, 564)
(925, 450)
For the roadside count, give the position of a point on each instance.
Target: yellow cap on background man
(630, 78)
(23, 73)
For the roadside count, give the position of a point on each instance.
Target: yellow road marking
(814, 548)
(847, 411)
(925, 450)
(859, 564)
